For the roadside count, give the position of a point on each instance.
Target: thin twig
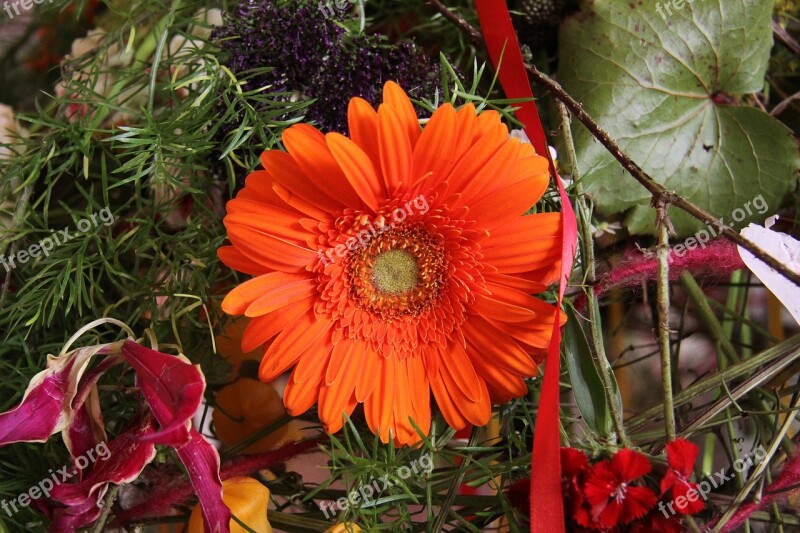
(655, 188)
(474, 35)
(597, 346)
(662, 296)
(785, 38)
(781, 107)
(107, 504)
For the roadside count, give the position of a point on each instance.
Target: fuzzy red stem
(165, 497)
(719, 259)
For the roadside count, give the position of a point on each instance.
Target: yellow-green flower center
(395, 272)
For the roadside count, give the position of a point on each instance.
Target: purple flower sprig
(313, 56)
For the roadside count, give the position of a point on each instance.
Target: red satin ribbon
(547, 507)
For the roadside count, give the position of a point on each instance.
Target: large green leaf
(666, 89)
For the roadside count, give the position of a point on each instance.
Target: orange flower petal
(370, 368)
(279, 297)
(362, 121)
(467, 123)
(404, 431)
(290, 345)
(396, 98)
(301, 204)
(502, 384)
(395, 149)
(312, 368)
(498, 348)
(522, 283)
(303, 387)
(512, 201)
(434, 151)
(240, 298)
(258, 188)
(534, 333)
(238, 261)
(476, 413)
(499, 165)
(263, 328)
(420, 394)
(476, 157)
(273, 221)
(450, 410)
(358, 169)
(524, 244)
(272, 252)
(334, 398)
(341, 359)
(460, 367)
(285, 170)
(490, 307)
(378, 407)
(309, 149)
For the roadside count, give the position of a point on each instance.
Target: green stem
(663, 318)
(759, 468)
(587, 262)
(108, 502)
(778, 357)
(709, 318)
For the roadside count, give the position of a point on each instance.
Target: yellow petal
(346, 527)
(247, 499)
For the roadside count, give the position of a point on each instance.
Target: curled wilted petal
(173, 388)
(77, 516)
(47, 406)
(202, 463)
(248, 500)
(87, 429)
(119, 461)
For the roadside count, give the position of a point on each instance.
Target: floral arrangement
(287, 265)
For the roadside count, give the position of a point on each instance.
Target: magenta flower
(63, 398)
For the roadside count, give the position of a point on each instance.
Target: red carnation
(681, 455)
(610, 493)
(574, 466)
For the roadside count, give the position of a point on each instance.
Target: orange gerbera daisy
(396, 263)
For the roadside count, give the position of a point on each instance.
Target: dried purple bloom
(313, 56)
